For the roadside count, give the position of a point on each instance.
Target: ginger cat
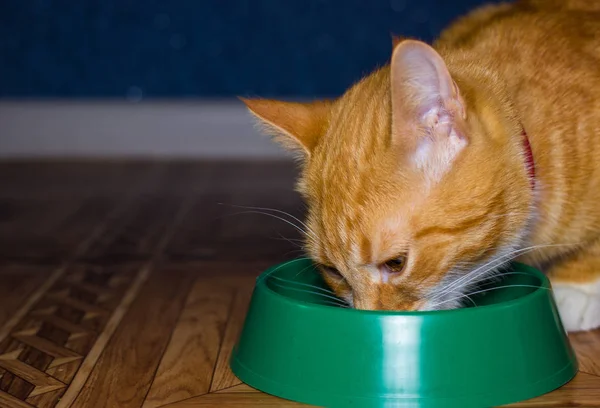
(456, 158)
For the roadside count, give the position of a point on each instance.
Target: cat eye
(331, 271)
(397, 264)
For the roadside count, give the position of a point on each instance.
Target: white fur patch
(435, 157)
(377, 275)
(578, 305)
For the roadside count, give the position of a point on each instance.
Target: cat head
(411, 181)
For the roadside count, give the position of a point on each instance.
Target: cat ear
(427, 109)
(296, 126)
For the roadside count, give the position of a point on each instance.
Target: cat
(457, 157)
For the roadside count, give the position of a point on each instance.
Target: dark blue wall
(208, 48)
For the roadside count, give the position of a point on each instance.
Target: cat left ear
(427, 109)
(296, 126)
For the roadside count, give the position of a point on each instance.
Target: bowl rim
(261, 284)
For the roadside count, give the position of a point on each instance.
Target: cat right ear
(296, 126)
(428, 112)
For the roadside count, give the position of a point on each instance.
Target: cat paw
(578, 305)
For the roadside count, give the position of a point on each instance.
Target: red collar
(529, 163)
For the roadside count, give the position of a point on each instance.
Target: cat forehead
(347, 244)
(360, 121)
(358, 232)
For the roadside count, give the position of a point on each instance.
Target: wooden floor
(125, 285)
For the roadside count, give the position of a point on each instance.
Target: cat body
(430, 173)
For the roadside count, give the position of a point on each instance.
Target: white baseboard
(97, 129)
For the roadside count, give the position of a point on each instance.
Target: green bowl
(507, 347)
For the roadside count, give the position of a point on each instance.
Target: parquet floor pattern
(126, 284)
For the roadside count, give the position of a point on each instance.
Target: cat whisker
(467, 296)
(497, 262)
(460, 296)
(298, 251)
(471, 300)
(295, 242)
(302, 223)
(303, 284)
(464, 280)
(336, 304)
(492, 279)
(484, 290)
(497, 277)
(340, 282)
(281, 266)
(333, 298)
(298, 228)
(302, 271)
(520, 252)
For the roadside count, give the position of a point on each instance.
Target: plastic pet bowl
(508, 347)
